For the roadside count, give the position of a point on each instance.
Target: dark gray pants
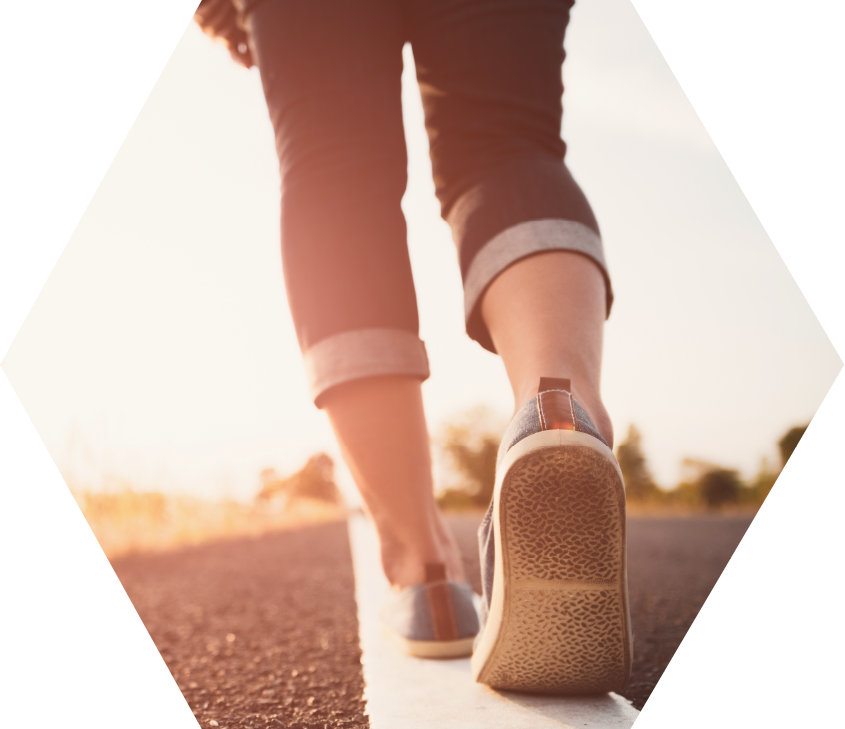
(490, 76)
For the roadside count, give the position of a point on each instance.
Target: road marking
(415, 693)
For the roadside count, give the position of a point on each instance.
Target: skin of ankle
(545, 314)
(380, 427)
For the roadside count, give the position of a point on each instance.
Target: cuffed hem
(521, 241)
(364, 353)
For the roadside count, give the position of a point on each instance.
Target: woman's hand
(219, 20)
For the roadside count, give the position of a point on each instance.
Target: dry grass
(129, 522)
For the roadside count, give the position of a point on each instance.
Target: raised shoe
(553, 556)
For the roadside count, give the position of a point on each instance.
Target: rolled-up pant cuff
(521, 241)
(362, 353)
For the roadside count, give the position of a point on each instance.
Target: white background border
(766, 79)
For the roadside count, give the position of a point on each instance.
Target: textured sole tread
(564, 625)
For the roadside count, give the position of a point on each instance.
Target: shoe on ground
(436, 619)
(553, 557)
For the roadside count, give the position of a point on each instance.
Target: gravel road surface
(257, 632)
(262, 632)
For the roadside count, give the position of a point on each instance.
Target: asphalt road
(262, 632)
(257, 632)
(673, 564)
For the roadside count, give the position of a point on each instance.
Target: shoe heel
(560, 621)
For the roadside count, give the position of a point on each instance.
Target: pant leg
(331, 72)
(490, 78)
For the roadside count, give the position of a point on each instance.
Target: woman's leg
(536, 292)
(531, 256)
(545, 315)
(381, 429)
(331, 72)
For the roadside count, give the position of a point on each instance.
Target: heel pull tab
(554, 383)
(554, 404)
(435, 572)
(439, 598)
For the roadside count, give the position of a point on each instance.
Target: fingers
(241, 55)
(218, 19)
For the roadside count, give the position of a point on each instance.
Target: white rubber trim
(416, 693)
(461, 648)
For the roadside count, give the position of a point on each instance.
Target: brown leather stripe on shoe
(554, 404)
(554, 383)
(440, 605)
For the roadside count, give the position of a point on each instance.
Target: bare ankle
(601, 420)
(404, 564)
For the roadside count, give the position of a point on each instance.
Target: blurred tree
(470, 447)
(472, 455)
(639, 484)
(453, 499)
(315, 480)
(707, 484)
(789, 442)
(719, 486)
(761, 484)
(686, 495)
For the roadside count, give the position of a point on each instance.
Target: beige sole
(431, 648)
(558, 620)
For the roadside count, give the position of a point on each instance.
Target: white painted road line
(413, 693)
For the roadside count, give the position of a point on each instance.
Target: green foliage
(469, 448)
(686, 495)
(453, 499)
(789, 442)
(639, 485)
(719, 487)
(473, 456)
(315, 480)
(760, 486)
(704, 485)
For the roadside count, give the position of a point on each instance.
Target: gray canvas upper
(406, 612)
(527, 422)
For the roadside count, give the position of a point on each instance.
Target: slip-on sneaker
(436, 619)
(553, 559)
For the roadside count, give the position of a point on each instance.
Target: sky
(161, 354)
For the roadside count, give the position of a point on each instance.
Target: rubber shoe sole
(460, 648)
(558, 621)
